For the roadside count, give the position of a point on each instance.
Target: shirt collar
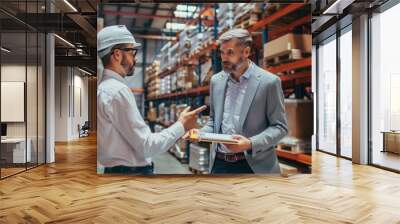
(246, 75)
(108, 73)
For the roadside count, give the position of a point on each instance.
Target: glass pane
(41, 99)
(346, 94)
(31, 97)
(327, 96)
(385, 86)
(13, 85)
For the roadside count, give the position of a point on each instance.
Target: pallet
(249, 17)
(194, 171)
(244, 24)
(181, 160)
(285, 56)
(246, 20)
(284, 147)
(293, 152)
(287, 170)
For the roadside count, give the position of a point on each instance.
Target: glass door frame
(338, 32)
(44, 94)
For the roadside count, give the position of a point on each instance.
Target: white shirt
(123, 136)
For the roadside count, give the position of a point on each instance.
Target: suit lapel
(251, 90)
(219, 97)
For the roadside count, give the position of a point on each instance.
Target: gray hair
(242, 35)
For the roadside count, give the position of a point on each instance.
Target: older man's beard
(230, 67)
(129, 68)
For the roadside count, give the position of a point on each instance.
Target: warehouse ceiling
(73, 22)
(149, 19)
(327, 13)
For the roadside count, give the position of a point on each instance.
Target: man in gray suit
(247, 102)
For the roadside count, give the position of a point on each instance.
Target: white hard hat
(113, 35)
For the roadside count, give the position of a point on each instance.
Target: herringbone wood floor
(70, 191)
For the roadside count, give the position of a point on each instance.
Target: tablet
(214, 138)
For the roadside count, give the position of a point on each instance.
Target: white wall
(33, 127)
(16, 73)
(71, 94)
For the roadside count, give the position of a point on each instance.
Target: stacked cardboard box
(206, 72)
(246, 14)
(172, 55)
(165, 85)
(199, 158)
(151, 79)
(185, 43)
(164, 57)
(300, 125)
(186, 78)
(226, 16)
(288, 47)
(152, 113)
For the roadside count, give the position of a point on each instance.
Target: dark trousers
(223, 167)
(130, 170)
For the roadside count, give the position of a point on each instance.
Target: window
(385, 85)
(327, 95)
(22, 75)
(346, 92)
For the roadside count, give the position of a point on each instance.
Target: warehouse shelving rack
(295, 81)
(299, 78)
(195, 96)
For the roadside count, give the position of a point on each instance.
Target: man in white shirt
(125, 143)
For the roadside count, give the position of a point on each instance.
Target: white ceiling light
(186, 11)
(86, 72)
(5, 50)
(65, 41)
(176, 26)
(184, 7)
(70, 5)
(337, 7)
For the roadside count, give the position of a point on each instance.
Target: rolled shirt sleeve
(130, 124)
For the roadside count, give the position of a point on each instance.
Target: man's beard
(127, 67)
(230, 67)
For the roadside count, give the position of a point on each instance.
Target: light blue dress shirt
(234, 95)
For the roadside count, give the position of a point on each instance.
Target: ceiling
(142, 18)
(73, 20)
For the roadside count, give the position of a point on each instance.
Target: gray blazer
(262, 119)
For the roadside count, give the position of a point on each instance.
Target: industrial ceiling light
(65, 41)
(186, 11)
(70, 5)
(84, 71)
(337, 7)
(175, 26)
(5, 50)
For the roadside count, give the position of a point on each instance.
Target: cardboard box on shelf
(296, 44)
(192, 80)
(152, 114)
(206, 72)
(173, 82)
(172, 117)
(300, 118)
(226, 16)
